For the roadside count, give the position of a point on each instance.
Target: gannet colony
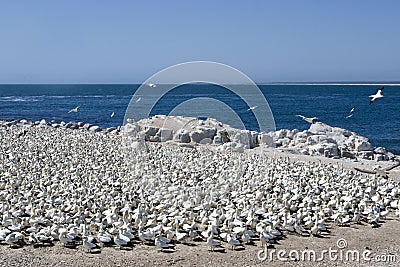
(80, 185)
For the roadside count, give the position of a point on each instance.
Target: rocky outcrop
(320, 139)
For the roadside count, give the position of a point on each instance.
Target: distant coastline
(333, 83)
(383, 83)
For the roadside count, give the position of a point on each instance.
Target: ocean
(331, 103)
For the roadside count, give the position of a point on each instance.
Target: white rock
(182, 136)
(217, 140)
(151, 131)
(325, 149)
(320, 128)
(197, 136)
(291, 134)
(361, 145)
(266, 140)
(130, 129)
(208, 132)
(242, 137)
(164, 134)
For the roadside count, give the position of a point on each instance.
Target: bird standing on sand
(309, 120)
(151, 85)
(376, 96)
(74, 109)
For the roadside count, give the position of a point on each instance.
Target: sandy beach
(75, 180)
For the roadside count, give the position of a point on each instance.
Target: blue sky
(128, 41)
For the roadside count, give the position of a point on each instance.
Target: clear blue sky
(128, 41)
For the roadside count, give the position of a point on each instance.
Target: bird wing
(301, 116)
(392, 167)
(365, 171)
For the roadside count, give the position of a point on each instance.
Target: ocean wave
(84, 96)
(43, 97)
(20, 99)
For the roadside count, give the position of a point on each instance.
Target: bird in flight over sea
(252, 108)
(351, 114)
(112, 114)
(74, 109)
(309, 120)
(138, 100)
(376, 96)
(151, 85)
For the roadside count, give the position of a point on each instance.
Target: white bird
(376, 96)
(13, 239)
(350, 114)
(88, 245)
(151, 85)
(264, 239)
(32, 239)
(211, 242)
(252, 108)
(179, 236)
(120, 242)
(103, 238)
(74, 109)
(112, 114)
(309, 120)
(160, 243)
(233, 241)
(64, 238)
(138, 100)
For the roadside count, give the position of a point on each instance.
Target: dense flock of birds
(91, 189)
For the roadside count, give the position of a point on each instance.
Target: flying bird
(349, 116)
(376, 96)
(309, 120)
(382, 172)
(74, 109)
(151, 85)
(112, 114)
(252, 108)
(138, 100)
